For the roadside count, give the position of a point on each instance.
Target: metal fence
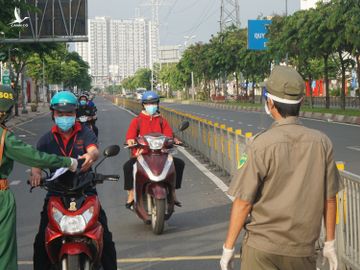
(222, 147)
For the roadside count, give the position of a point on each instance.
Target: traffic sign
(2, 56)
(6, 77)
(256, 34)
(6, 80)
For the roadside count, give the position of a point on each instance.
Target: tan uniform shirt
(287, 173)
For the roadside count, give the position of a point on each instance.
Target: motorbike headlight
(72, 225)
(88, 214)
(57, 215)
(155, 143)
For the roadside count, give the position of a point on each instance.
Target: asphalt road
(192, 237)
(345, 138)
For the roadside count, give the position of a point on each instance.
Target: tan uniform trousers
(254, 259)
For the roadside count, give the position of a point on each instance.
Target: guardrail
(222, 147)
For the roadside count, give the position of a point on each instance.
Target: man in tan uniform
(287, 181)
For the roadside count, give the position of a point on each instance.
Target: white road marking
(217, 181)
(24, 130)
(249, 125)
(355, 148)
(14, 183)
(231, 120)
(332, 122)
(224, 119)
(240, 123)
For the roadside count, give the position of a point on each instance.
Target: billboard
(257, 29)
(51, 20)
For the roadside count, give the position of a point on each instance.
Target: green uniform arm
(28, 155)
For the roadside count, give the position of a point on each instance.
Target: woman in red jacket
(148, 121)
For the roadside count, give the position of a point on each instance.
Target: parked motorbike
(154, 179)
(74, 236)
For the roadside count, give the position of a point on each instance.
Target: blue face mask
(65, 122)
(151, 109)
(82, 102)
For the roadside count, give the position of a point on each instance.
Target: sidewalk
(16, 120)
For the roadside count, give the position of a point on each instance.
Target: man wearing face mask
(12, 149)
(69, 138)
(89, 112)
(287, 181)
(148, 121)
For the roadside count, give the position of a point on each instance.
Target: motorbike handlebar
(108, 177)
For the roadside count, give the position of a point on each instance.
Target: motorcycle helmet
(150, 97)
(64, 101)
(7, 101)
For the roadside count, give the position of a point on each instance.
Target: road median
(330, 117)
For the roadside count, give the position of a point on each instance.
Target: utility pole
(43, 83)
(229, 14)
(192, 85)
(286, 14)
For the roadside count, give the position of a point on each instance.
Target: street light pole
(286, 14)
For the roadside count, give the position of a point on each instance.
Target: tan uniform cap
(285, 83)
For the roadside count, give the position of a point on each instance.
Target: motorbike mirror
(111, 150)
(184, 125)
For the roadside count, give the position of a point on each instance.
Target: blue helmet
(64, 101)
(150, 97)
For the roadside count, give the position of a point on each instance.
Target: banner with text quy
(257, 29)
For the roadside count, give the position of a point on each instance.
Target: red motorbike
(74, 236)
(154, 179)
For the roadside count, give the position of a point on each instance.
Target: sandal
(129, 205)
(178, 204)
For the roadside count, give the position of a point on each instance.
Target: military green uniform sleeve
(250, 174)
(332, 182)
(28, 155)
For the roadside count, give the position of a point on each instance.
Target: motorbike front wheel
(158, 215)
(75, 262)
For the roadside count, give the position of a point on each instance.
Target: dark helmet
(150, 97)
(85, 95)
(64, 101)
(7, 101)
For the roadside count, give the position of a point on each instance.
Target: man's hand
(177, 141)
(35, 177)
(329, 253)
(89, 161)
(130, 142)
(227, 259)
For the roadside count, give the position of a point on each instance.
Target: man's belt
(4, 184)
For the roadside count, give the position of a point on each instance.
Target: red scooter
(74, 236)
(154, 179)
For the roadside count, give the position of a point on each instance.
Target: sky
(188, 18)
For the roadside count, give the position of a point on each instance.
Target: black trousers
(129, 178)
(41, 259)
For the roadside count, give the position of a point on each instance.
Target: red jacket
(144, 124)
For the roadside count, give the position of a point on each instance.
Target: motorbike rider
(12, 149)
(148, 121)
(85, 109)
(69, 138)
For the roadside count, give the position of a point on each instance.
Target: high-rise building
(117, 48)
